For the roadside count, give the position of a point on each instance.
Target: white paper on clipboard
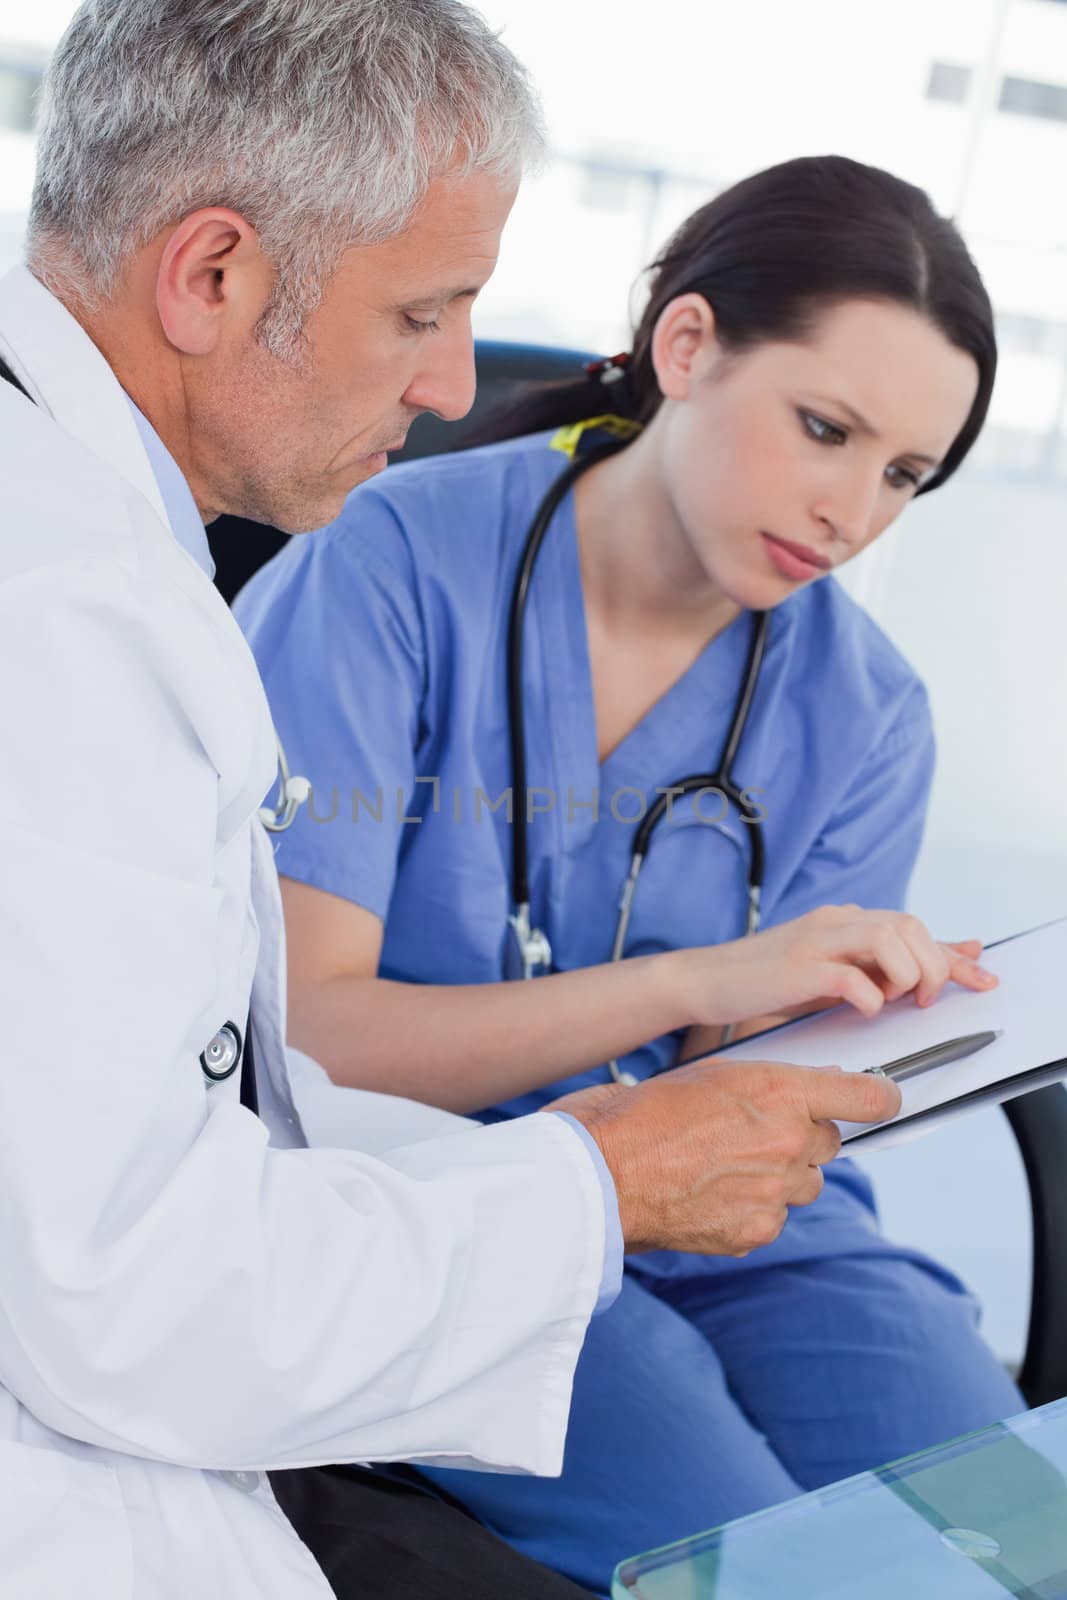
(1030, 1005)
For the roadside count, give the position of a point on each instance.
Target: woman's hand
(835, 953)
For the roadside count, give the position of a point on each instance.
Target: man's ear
(684, 336)
(213, 279)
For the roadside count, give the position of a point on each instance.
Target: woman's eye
(902, 477)
(421, 327)
(820, 429)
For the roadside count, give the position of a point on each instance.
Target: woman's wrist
(688, 988)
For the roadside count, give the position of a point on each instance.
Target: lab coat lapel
(65, 373)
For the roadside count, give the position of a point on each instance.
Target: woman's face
(783, 462)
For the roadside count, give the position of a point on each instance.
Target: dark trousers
(392, 1536)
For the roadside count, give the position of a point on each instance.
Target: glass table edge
(636, 1566)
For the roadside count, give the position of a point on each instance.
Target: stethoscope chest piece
(535, 952)
(292, 793)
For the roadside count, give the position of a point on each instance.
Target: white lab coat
(189, 1294)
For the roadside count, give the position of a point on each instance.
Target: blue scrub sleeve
(866, 853)
(336, 632)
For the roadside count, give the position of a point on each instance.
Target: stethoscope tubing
(720, 779)
(542, 521)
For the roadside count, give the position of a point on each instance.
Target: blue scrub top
(382, 644)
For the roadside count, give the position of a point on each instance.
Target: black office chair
(1038, 1120)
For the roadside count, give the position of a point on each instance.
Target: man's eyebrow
(859, 421)
(440, 297)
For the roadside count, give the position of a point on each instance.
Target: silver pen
(935, 1055)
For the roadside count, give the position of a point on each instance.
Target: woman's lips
(798, 561)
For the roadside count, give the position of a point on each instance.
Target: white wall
(973, 587)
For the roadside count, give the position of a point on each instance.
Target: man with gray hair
(257, 231)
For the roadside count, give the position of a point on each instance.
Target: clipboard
(1030, 1005)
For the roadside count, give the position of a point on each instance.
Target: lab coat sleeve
(867, 850)
(173, 1286)
(335, 627)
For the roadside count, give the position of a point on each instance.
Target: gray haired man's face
(390, 339)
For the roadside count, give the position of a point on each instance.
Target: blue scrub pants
(715, 1387)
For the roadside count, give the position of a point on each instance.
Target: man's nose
(445, 382)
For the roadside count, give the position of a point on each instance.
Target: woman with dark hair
(817, 350)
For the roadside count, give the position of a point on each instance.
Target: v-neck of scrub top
(652, 753)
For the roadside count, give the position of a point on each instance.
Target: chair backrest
(240, 547)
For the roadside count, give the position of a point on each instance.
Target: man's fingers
(825, 1143)
(808, 1188)
(850, 1096)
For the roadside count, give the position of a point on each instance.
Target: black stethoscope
(534, 949)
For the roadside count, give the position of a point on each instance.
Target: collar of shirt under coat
(178, 501)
